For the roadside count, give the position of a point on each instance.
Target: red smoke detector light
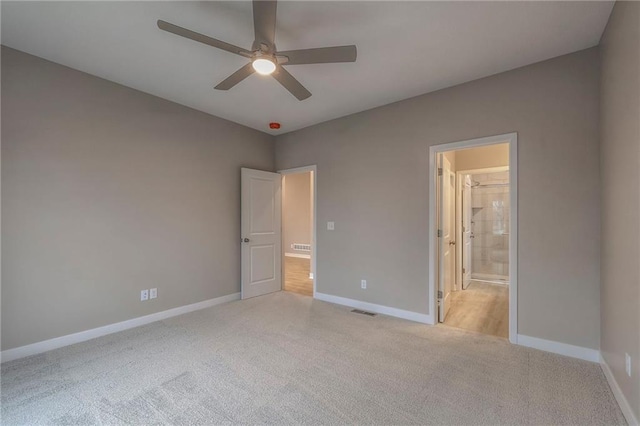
(274, 125)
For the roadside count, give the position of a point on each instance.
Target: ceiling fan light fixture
(264, 58)
(264, 66)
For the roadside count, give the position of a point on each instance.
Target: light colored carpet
(287, 359)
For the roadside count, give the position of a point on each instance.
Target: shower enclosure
(490, 226)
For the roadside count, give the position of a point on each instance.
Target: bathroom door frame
(459, 236)
(434, 150)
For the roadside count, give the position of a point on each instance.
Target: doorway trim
(434, 150)
(314, 201)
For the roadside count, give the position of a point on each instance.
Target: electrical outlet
(627, 363)
(144, 295)
(331, 226)
(153, 293)
(363, 284)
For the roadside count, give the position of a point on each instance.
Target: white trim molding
(434, 150)
(82, 336)
(378, 309)
(625, 407)
(565, 349)
(301, 256)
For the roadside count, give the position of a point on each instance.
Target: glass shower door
(490, 226)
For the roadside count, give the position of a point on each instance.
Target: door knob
(246, 240)
(452, 243)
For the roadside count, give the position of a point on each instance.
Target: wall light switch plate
(331, 226)
(363, 284)
(153, 293)
(627, 364)
(144, 295)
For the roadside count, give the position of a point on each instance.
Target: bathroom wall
(296, 212)
(483, 157)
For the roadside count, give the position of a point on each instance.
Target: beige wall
(107, 191)
(296, 211)
(140, 192)
(620, 162)
(373, 182)
(451, 156)
(482, 157)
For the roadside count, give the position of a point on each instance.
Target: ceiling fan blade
(322, 55)
(264, 22)
(166, 26)
(291, 84)
(236, 77)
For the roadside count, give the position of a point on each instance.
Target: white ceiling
(404, 48)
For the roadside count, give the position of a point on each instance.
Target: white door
(466, 232)
(447, 242)
(260, 224)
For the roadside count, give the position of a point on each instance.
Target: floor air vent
(358, 311)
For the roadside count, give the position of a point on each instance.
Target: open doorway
(480, 300)
(298, 225)
(474, 219)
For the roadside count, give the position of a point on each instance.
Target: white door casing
(434, 241)
(261, 232)
(466, 231)
(447, 239)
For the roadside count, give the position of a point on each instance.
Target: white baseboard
(70, 339)
(617, 393)
(378, 309)
(302, 256)
(565, 349)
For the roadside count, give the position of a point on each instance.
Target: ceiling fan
(265, 58)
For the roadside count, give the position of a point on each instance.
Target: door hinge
(440, 294)
(439, 171)
(439, 233)
(464, 270)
